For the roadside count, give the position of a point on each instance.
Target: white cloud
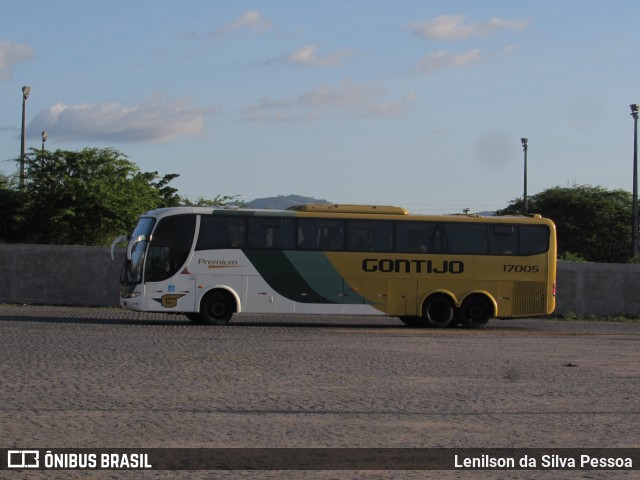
(306, 56)
(249, 20)
(151, 121)
(507, 49)
(455, 27)
(442, 60)
(10, 54)
(346, 99)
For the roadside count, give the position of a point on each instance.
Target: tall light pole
(44, 139)
(25, 94)
(634, 234)
(525, 143)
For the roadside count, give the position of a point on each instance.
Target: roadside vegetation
(90, 196)
(593, 224)
(576, 317)
(85, 197)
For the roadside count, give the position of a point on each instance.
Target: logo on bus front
(169, 300)
(390, 265)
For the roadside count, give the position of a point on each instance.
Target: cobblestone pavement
(107, 378)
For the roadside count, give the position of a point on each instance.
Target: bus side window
(534, 239)
(235, 234)
(465, 238)
(365, 236)
(320, 234)
(418, 237)
(221, 232)
(271, 232)
(207, 235)
(503, 240)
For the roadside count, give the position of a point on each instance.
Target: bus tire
(475, 311)
(216, 308)
(411, 321)
(437, 311)
(194, 317)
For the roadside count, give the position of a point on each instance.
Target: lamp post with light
(634, 234)
(25, 94)
(525, 143)
(44, 139)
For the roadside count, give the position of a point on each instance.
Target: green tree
(5, 181)
(12, 208)
(592, 223)
(217, 201)
(88, 197)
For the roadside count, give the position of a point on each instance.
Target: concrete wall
(598, 288)
(74, 275)
(59, 275)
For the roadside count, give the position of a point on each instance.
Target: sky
(415, 103)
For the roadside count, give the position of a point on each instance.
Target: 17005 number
(521, 268)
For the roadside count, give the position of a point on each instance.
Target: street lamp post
(44, 139)
(525, 143)
(634, 234)
(25, 94)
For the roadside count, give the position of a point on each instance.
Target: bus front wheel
(437, 311)
(475, 311)
(411, 321)
(194, 317)
(216, 308)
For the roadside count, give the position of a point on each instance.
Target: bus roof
(349, 208)
(344, 211)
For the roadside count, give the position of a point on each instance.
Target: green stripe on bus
(305, 277)
(319, 273)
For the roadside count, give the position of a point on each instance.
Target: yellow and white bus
(433, 271)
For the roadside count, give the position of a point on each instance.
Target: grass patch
(576, 317)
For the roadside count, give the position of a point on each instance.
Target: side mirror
(132, 244)
(120, 239)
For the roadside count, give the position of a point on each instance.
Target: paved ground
(106, 378)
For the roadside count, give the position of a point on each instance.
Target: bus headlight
(130, 294)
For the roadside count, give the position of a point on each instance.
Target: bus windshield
(132, 270)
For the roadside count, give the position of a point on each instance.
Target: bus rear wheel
(475, 311)
(217, 308)
(437, 311)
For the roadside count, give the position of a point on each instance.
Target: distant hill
(282, 202)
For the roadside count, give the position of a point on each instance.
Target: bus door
(168, 283)
(167, 280)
